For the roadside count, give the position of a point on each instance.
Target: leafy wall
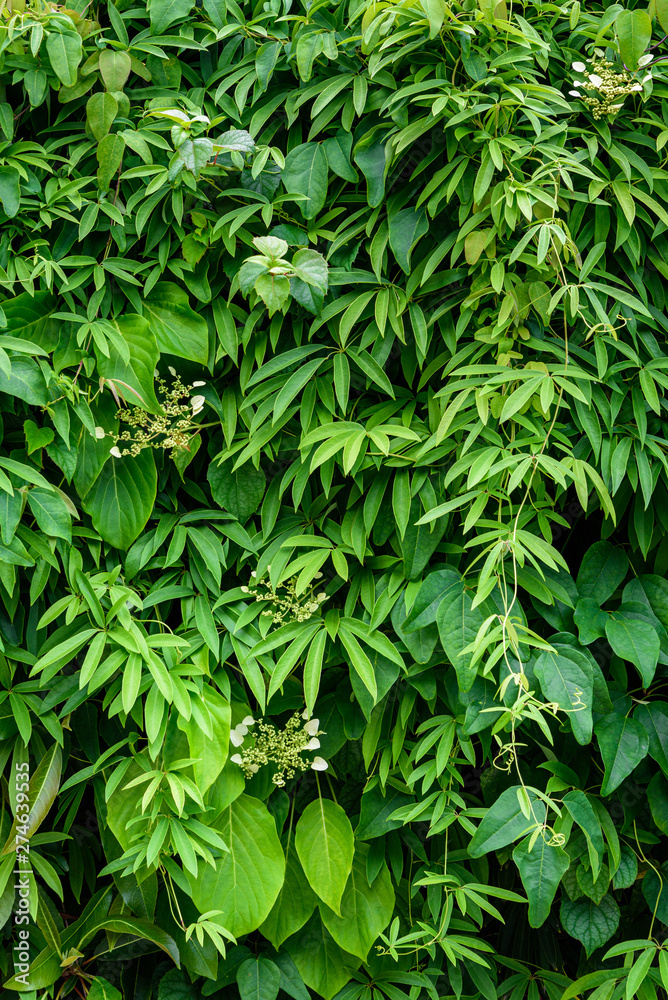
(333, 498)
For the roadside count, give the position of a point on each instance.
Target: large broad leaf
(42, 791)
(655, 891)
(541, 871)
(10, 191)
(29, 318)
(177, 327)
(294, 904)
(657, 797)
(25, 381)
(239, 493)
(93, 452)
(425, 606)
(602, 570)
(634, 31)
(248, 878)
(325, 845)
(64, 49)
(624, 743)
(137, 372)
(122, 497)
(322, 964)
(653, 717)
(650, 589)
(366, 910)
(503, 823)
(636, 641)
(51, 513)
(458, 625)
(589, 923)
(566, 678)
(373, 155)
(305, 173)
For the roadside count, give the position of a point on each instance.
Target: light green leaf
(322, 964)
(324, 843)
(623, 743)
(177, 327)
(248, 878)
(121, 499)
(294, 904)
(634, 31)
(365, 910)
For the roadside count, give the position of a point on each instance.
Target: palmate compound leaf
(248, 878)
(541, 870)
(588, 922)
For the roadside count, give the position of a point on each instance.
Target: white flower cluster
(170, 429)
(602, 87)
(282, 748)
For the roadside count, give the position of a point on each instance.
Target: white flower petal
(236, 758)
(255, 768)
(312, 727)
(116, 452)
(99, 433)
(573, 93)
(197, 401)
(305, 713)
(196, 384)
(579, 67)
(595, 79)
(644, 60)
(172, 371)
(646, 78)
(636, 87)
(319, 764)
(248, 721)
(235, 739)
(313, 744)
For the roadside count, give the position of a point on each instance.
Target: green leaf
(109, 157)
(583, 814)
(209, 752)
(133, 376)
(376, 810)
(322, 964)
(101, 111)
(305, 173)
(407, 227)
(42, 791)
(589, 923)
(458, 625)
(177, 328)
(602, 570)
(634, 31)
(65, 51)
(10, 193)
(541, 870)
(365, 910)
(258, 979)
(503, 823)
(294, 904)
(655, 891)
(623, 743)
(239, 493)
(164, 13)
(627, 873)
(274, 290)
(566, 678)
(248, 878)
(26, 381)
(135, 927)
(51, 513)
(324, 843)
(657, 797)
(590, 620)
(654, 719)
(635, 641)
(101, 989)
(115, 66)
(121, 499)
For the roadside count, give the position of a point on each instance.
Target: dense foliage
(334, 498)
